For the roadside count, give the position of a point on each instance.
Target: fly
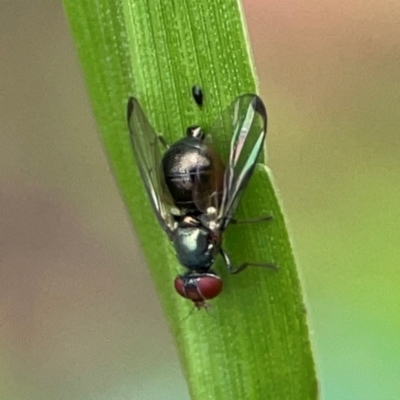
(195, 191)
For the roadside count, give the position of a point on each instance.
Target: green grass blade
(254, 343)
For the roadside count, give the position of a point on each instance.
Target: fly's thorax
(195, 245)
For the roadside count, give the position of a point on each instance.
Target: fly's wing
(246, 118)
(145, 143)
(208, 180)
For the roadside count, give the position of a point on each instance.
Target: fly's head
(198, 287)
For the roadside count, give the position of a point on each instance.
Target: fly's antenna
(189, 314)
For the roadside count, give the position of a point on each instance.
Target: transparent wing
(208, 182)
(246, 118)
(145, 143)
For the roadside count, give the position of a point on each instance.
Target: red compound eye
(198, 287)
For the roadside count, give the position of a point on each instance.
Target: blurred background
(79, 317)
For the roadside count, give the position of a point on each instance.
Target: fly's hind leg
(235, 270)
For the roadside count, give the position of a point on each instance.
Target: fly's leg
(224, 222)
(235, 270)
(163, 141)
(243, 266)
(251, 221)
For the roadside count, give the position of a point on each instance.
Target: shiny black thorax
(191, 170)
(196, 246)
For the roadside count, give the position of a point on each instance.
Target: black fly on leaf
(195, 185)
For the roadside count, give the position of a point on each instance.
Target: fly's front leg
(235, 270)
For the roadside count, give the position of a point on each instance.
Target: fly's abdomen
(186, 168)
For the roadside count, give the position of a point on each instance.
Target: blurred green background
(79, 317)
